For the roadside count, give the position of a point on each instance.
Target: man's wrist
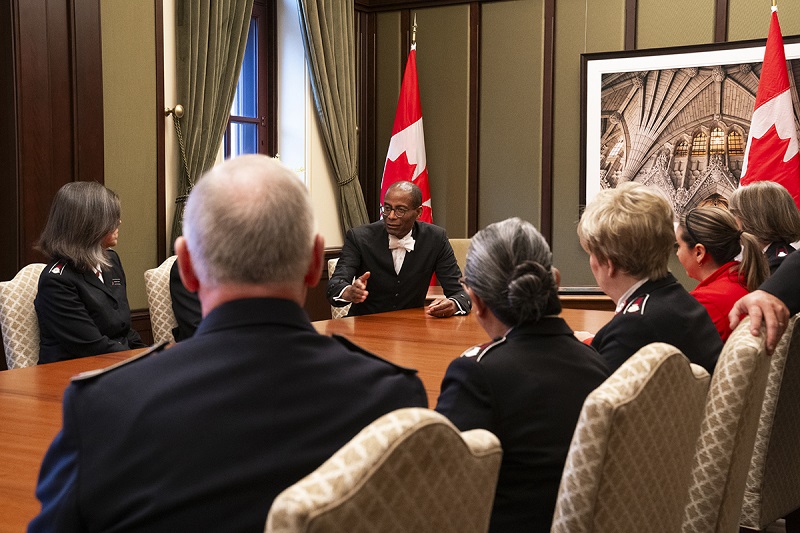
(458, 309)
(341, 297)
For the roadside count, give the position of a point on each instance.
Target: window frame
(265, 15)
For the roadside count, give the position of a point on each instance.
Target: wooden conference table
(30, 398)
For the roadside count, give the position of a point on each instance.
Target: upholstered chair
(631, 455)
(18, 320)
(460, 247)
(773, 482)
(727, 435)
(409, 471)
(156, 285)
(336, 312)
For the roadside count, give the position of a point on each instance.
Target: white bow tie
(406, 242)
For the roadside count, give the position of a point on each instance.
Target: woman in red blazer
(708, 243)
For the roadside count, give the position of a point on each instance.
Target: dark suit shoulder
(56, 268)
(665, 295)
(95, 374)
(367, 229)
(350, 345)
(636, 306)
(424, 228)
(478, 352)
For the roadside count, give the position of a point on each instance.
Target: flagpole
(414, 32)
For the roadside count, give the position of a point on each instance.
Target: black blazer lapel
(92, 279)
(412, 258)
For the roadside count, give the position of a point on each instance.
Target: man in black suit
(776, 300)
(203, 436)
(396, 258)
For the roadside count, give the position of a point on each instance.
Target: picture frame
(676, 119)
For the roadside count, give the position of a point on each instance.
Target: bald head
(406, 187)
(249, 221)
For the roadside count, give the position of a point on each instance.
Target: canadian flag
(772, 149)
(405, 160)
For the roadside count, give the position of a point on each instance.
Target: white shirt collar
(624, 298)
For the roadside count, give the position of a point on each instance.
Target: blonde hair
(768, 211)
(716, 229)
(631, 226)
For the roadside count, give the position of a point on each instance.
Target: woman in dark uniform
(767, 210)
(82, 305)
(527, 385)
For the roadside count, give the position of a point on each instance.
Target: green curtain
(329, 38)
(211, 39)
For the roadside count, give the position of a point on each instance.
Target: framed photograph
(676, 119)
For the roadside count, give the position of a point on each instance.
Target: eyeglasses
(463, 281)
(399, 212)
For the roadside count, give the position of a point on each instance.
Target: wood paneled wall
(53, 125)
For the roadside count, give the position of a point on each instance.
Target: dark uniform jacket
(366, 248)
(202, 436)
(776, 253)
(185, 306)
(785, 283)
(79, 315)
(660, 311)
(528, 389)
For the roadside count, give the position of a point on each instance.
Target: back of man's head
(249, 221)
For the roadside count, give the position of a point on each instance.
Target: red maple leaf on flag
(405, 158)
(400, 169)
(772, 149)
(769, 150)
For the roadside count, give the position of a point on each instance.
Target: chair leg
(793, 522)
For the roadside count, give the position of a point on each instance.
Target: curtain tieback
(348, 180)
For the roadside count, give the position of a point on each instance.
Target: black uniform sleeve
(618, 340)
(185, 306)
(785, 282)
(57, 488)
(465, 396)
(133, 337)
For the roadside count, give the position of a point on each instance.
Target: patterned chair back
(727, 435)
(156, 284)
(336, 312)
(631, 454)
(409, 471)
(773, 483)
(18, 320)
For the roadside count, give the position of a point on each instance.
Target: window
(682, 150)
(717, 141)
(617, 147)
(699, 144)
(252, 110)
(735, 146)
